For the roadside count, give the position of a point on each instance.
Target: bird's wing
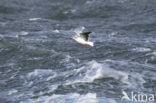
(85, 35)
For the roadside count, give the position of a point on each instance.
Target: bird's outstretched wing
(85, 35)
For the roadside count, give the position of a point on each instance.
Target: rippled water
(40, 63)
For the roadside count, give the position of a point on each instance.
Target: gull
(82, 38)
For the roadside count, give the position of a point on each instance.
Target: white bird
(82, 38)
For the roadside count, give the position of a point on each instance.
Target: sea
(41, 63)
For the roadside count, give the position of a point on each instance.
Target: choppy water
(40, 63)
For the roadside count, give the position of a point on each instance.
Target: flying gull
(82, 38)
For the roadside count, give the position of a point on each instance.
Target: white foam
(106, 100)
(66, 12)
(40, 73)
(56, 31)
(34, 19)
(23, 33)
(68, 98)
(52, 88)
(16, 34)
(35, 58)
(122, 1)
(73, 10)
(90, 1)
(11, 92)
(154, 53)
(113, 33)
(1, 36)
(50, 77)
(69, 11)
(141, 49)
(94, 70)
(68, 61)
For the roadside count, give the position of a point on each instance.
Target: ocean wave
(94, 70)
(40, 63)
(71, 98)
(14, 34)
(11, 92)
(68, 98)
(39, 73)
(141, 49)
(34, 19)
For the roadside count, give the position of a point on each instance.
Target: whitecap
(50, 77)
(90, 1)
(35, 58)
(15, 34)
(69, 61)
(68, 98)
(39, 73)
(52, 88)
(141, 49)
(73, 10)
(56, 31)
(66, 12)
(23, 33)
(69, 11)
(34, 19)
(1, 36)
(11, 92)
(122, 1)
(154, 53)
(94, 70)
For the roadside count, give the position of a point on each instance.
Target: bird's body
(83, 39)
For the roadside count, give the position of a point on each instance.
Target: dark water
(40, 63)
